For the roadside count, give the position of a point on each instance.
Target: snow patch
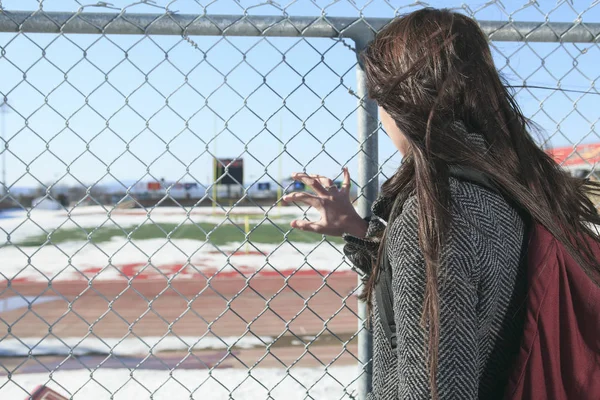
(161, 259)
(129, 346)
(299, 383)
(16, 302)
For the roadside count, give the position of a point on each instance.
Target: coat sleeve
(362, 251)
(457, 376)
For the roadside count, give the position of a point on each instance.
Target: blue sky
(76, 117)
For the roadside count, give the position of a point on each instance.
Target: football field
(172, 289)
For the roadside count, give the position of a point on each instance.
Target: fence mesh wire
(129, 268)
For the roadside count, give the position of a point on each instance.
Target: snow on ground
(68, 261)
(130, 346)
(23, 224)
(335, 382)
(120, 258)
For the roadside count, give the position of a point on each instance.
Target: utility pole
(280, 172)
(3, 110)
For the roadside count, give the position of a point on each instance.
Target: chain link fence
(145, 149)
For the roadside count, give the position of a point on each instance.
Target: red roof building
(580, 157)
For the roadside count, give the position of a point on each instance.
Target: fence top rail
(357, 29)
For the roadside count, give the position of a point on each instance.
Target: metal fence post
(368, 167)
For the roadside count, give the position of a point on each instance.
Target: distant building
(262, 190)
(46, 203)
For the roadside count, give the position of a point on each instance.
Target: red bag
(45, 393)
(560, 350)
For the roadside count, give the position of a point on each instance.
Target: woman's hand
(338, 216)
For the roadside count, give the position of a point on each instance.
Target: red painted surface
(229, 282)
(142, 271)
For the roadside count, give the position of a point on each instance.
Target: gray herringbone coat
(481, 290)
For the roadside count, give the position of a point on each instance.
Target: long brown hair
(429, 69)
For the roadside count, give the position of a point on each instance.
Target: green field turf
(266, 232)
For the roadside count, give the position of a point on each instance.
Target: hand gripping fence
(141, 261)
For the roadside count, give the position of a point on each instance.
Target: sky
(87, 109)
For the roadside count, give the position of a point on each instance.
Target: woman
(455, 248)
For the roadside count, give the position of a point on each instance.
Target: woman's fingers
(308, 226)
(346, 182)
(314, 183)
(322, 185)
(303, 197)
(324, 181)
